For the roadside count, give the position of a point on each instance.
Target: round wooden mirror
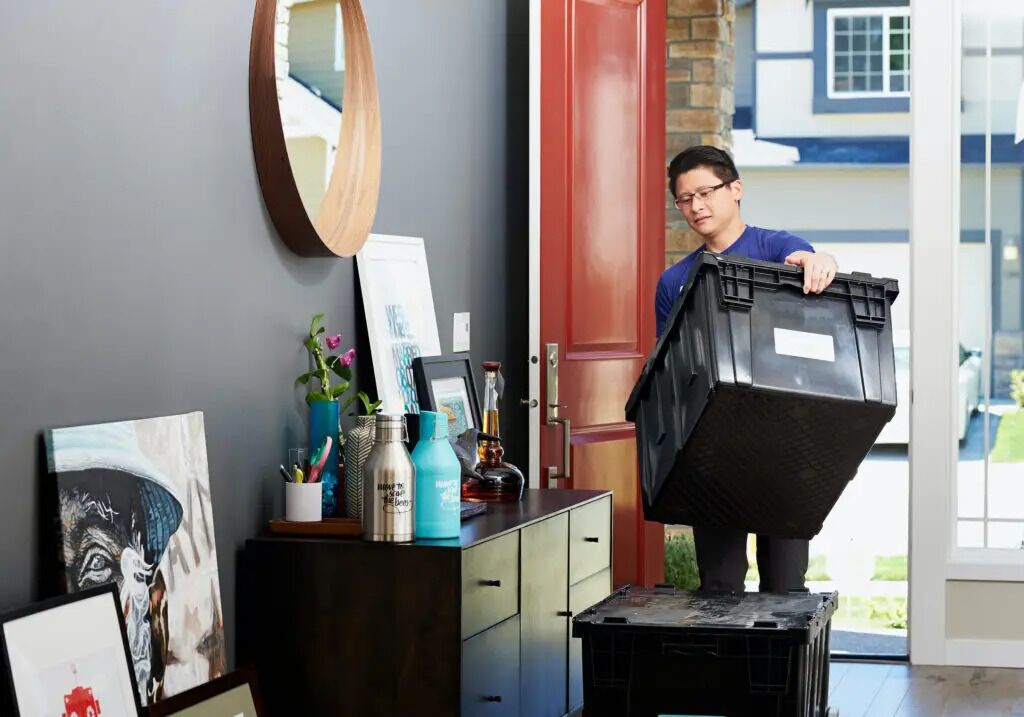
(315, 121)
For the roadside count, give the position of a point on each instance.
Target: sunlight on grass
(1009, 446)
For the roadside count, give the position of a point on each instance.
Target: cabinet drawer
(490, 672)
(590, 539)
(490, 583)
(581, 596)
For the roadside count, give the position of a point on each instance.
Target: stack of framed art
(70, 656)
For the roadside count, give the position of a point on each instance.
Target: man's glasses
(685, 200)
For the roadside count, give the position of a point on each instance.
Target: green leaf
(320, 330)
(369, 407)
(339, 389)
(348, 402)
(304, 378)
(342, 370)
(310, 343)
(315, 323)
(317, 396)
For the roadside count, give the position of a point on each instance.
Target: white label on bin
(802, 344)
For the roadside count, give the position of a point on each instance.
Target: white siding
(785, 26)
(864, 199)
(313, 35)
(785, 106)
(826, 198)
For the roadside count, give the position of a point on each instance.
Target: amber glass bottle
(499, 481)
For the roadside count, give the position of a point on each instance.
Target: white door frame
(934, 241)
(533, 472)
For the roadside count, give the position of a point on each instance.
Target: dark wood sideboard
(474, 626)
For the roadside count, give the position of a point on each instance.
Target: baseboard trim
(985, 653)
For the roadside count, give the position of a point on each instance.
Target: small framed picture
(445, 384)
(233, 695)
(69, 656)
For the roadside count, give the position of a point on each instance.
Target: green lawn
(1009, 446)
(871, 613)
(890, 567)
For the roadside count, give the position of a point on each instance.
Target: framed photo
(400, 318)
(445, 384)
(233, 695)
(69, 656)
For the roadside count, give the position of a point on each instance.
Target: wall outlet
(460, 333)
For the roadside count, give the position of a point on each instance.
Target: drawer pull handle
(492, 698)
(591, 540)
(565, 613)
(491, 583)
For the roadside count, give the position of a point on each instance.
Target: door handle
(553, 419)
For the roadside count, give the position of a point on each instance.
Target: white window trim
(886, 13)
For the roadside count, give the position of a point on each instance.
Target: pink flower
(348, 357)
(333, 341)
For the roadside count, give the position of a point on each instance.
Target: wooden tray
(327, 528)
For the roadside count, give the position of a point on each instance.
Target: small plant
(324, 365)
(1017, 386)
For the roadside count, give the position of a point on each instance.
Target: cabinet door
(544, 605)
(490, 672)
(581, 596)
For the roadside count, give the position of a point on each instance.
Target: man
(707, 191)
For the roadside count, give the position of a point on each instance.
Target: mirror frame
(350, 202)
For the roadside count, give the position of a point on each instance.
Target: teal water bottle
(438, 474)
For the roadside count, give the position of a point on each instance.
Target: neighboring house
(311, 78)
(821, 136)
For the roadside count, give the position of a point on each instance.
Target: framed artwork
(233, 695)
(134, 509)
(69, 657)
(400, 318)
(446, 384)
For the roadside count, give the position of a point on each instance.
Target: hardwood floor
(900, 690)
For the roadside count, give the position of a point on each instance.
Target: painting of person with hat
(118, 514)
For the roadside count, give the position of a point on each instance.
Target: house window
(869, 52)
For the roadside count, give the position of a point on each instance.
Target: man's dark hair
(715, 159)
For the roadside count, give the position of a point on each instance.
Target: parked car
(897, 431)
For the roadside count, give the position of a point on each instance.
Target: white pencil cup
(302, 502)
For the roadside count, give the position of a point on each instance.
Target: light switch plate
(460, 333)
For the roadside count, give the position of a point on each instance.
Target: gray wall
(140, 274)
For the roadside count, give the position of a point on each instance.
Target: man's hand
(819, 269)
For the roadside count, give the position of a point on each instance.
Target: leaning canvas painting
(135, 510)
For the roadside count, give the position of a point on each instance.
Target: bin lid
(797, 613)
(762, 273)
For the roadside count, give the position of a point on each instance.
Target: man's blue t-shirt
(753, 243)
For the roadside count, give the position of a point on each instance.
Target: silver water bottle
(389, 479)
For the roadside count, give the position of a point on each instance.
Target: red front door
(602, 246)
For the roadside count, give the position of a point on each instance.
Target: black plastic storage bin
(759, 402)
(655, 652)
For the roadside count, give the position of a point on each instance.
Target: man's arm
(662, 305)
(819, 268)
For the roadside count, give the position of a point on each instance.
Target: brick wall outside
(699, 94)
